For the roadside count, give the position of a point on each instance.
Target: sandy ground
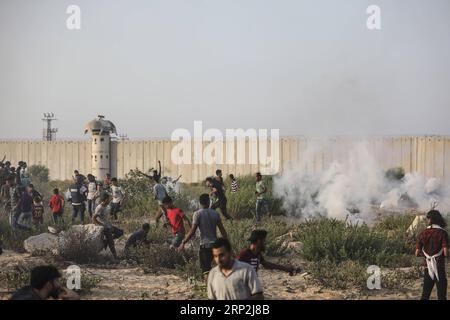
(128, 282)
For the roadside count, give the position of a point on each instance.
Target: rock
(90, 234)
(41, 244)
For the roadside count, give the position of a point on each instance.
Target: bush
(16, 277)
(239, 231)
(341, 276)
(12, 240)
(190, 270)
(39, 173)
(139, 194)
(400, 279)
(154, 257)
(141, 200)
(336, 241)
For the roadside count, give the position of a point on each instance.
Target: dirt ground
(130, 282)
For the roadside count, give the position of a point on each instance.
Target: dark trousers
(58, 217)
(78, 209)
(222, 205)
(111, 234)
(15, 220)
(115, 208)
(260, 204)
(441, 285)
(206, 256)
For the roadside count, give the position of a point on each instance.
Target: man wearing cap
(253, 254)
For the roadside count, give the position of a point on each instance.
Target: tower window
(102, 139)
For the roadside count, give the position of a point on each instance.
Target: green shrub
(337, 276)
(154, 257)
(190, 270)
(338, 241)
(239, 231)
(39, 173)
(12, 240)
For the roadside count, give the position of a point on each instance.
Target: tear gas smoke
(353, 188)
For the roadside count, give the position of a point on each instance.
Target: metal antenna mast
(49, 133)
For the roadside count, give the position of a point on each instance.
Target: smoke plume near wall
(354, 188)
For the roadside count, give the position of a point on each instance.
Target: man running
(232, 279)
(219, 194)
(100, 218)
(98, 194)
(26, 202)
(16, 192)
(433, 245)
(261, 197)
(253, 254)
(176, 218)
(157, 175)
(208, 221)
(160, 193)
(219, 178)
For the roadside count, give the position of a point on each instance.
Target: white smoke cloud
(353, 188)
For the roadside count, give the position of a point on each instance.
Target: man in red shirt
(253, 254)
(176, 218)
(433, 245)
(57, 205)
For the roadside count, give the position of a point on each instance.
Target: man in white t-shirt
(91, 191)
(100, 218)
(118, 197)
(232, 279)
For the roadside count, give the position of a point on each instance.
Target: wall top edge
(281, 138)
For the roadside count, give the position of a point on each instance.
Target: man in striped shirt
(234, 184)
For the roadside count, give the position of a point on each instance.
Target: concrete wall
(427, 155)
(61, 157)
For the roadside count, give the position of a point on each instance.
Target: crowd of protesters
(235, 276)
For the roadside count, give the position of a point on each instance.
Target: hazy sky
(151, 66)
